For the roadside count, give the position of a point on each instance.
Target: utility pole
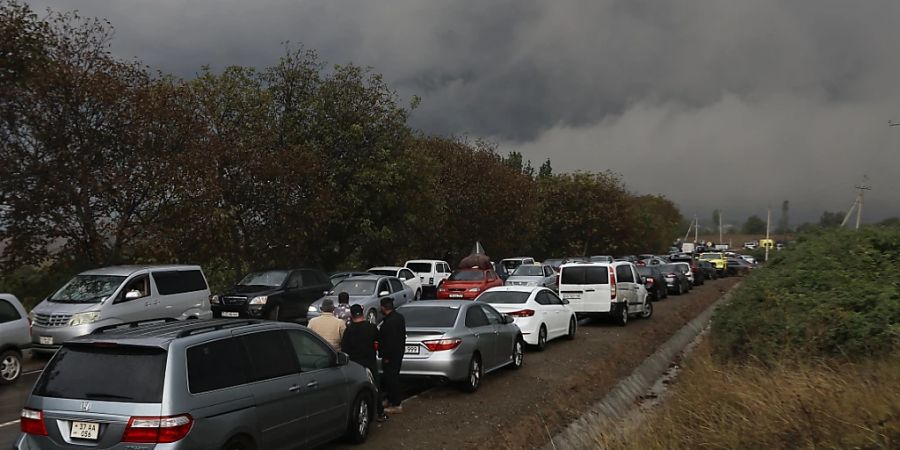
(696, 229)
(721, 241)
(858, 202)
(768, 222)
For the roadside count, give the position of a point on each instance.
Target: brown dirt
(522, 409)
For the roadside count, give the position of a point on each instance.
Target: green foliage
(754, 225)
(836, 292)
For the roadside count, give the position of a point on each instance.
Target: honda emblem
(85, 406)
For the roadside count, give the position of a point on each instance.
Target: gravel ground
(522, 409)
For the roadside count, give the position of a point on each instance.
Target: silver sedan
(459, 341)
(534, 275)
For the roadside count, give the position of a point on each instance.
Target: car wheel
(542, 339)
(238, 444)
(10, 366)
(622, 318)
(274, 313)
(518, 353)
(648, 310)
(360, 419)
(473, 381)
(573, 327)
(665, 293)
(372, 317)
(418, 294)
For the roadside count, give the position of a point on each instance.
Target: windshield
(511, 264)
(467, 275)
(529, 271)
(708, 256)
(601, 258)
(419, 267)
(356, 287)
(644, 271)
(87, 289)
(271, 278)
(429, 316)
(504, 297)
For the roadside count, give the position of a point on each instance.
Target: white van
(431, 272)
(613, 290)
(119, 294)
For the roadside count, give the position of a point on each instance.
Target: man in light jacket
(326, 325)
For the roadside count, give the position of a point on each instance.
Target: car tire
(10, 366)
(648, 310)
(361, 414)
(418, 295)
(473, 378)
(621, 318)
(518, 353)
(372, 317)
(238, 443)
(274, 313)
(542, 339)
(573, 327)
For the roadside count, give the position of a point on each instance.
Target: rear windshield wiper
(98, 395)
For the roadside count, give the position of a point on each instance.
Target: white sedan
(538, 311)
(405, 275)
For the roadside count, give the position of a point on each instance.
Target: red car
(466, 284)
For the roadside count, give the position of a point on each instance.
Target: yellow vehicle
(764, 243)
(716, 259)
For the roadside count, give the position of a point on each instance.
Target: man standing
(342, 310)
(326, 325)
(359, 344)
(391, 346)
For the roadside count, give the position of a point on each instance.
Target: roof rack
(219, 326)
(135, 324)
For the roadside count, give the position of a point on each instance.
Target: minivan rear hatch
(88, 392)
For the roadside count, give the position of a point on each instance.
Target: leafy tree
(754, 225)
(784, 225)
(546, 170)
(831, 219)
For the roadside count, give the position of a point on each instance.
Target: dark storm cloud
(728, 104)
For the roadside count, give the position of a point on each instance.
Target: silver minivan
(219, 384)
(118, 294)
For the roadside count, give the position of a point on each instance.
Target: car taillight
(612, 283)
(32, 422)
(650, 281)
(441, 344)
(157, 430)
(522, 313)
(672, 275)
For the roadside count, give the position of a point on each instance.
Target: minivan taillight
(32, 422)
(157, 430)
(612, 283)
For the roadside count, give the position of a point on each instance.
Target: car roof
(395, 268)
(426, 261)
(515, 289)
(594, 264)
(157, 333)
(445, 303)
(372, 277)
(516, 258)
(130, 269)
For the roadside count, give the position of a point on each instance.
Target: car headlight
(261, 300)
(84, 318)
(311, 308)
(213, 299)
(31, 316)
(474, 289)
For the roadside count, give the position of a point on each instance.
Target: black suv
(272, 294)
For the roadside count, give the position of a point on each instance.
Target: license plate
(46, 340)
(412, 349)
(85, 430)
(456, 296)
(230, 314)
(571, 296)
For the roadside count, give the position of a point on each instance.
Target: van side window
(8, 312)
(179, 281)
(623, 274)
(312, 353)
(217, 365)
(271, 355)
(475, 317)
(138, 287)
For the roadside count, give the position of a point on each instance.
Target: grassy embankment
(805, 356)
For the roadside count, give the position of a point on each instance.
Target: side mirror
(507, 319)
(384, 294)
(132, 294)
(342, 359)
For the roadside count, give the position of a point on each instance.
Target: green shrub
(836, 292)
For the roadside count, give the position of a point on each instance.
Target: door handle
(312, 384)
(588, 290)
(294, 388)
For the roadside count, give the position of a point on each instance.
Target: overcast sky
(728, 104)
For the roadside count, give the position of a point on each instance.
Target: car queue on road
(477, 325)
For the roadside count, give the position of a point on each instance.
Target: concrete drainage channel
(621, 403)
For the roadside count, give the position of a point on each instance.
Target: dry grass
(786, 405)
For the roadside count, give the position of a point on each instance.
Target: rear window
(467, 275)
(112, 374)
(585, 275)
(419, 267)
(429, 316)
(504, 297)
(179, 281)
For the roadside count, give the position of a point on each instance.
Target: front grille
(456, 289)
(51, 320)
(234, 301)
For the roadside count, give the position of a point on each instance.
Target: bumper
(453, 366)
(465, 295)
(243, 312)
(49, 339)
(32, 442)
(529, 327)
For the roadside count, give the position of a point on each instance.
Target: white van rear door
(586, 287)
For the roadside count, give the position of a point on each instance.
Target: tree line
(106, 161)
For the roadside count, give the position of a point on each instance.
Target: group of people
(347, 329)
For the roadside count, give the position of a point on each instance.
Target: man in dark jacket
(391, 346)
(359, 343)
